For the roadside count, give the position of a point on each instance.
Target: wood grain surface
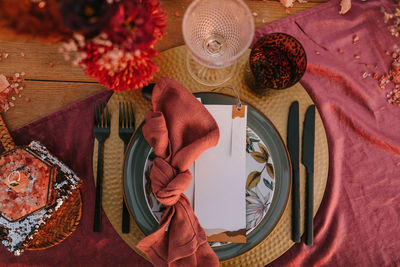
(52, 83)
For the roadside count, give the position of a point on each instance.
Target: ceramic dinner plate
(268, 181)
(259, 180)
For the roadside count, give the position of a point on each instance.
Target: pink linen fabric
(179, 128)
(358, 223)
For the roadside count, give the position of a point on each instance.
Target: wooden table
(52, 83)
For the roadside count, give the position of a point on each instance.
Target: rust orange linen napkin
(179, 128)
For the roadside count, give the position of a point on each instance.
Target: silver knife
(293, 148)
(307, 158)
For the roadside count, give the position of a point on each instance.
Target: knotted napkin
(179, 128)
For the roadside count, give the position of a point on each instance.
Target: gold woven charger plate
(275, 106)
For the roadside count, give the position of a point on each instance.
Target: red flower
(136, 25)
(120, 56)
(158, 16)
(26, 19)
(118, 69)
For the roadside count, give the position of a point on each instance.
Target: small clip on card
(238, 125)
(238, 111)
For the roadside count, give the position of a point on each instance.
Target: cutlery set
(307, 159)
(101, 131)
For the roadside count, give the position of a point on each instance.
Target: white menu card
(219, 190)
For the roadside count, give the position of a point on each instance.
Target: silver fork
(101, 131)
(126, 129)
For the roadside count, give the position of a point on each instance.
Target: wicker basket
(5, 137)
(61, 224)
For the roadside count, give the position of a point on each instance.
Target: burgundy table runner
(67, 133)
(358, 221)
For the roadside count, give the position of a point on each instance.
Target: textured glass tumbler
(216, 34)
(277, 61)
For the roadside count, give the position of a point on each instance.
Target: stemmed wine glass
(216, 33)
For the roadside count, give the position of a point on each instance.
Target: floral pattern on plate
(260, 183)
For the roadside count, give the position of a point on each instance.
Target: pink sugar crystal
(3, 82)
